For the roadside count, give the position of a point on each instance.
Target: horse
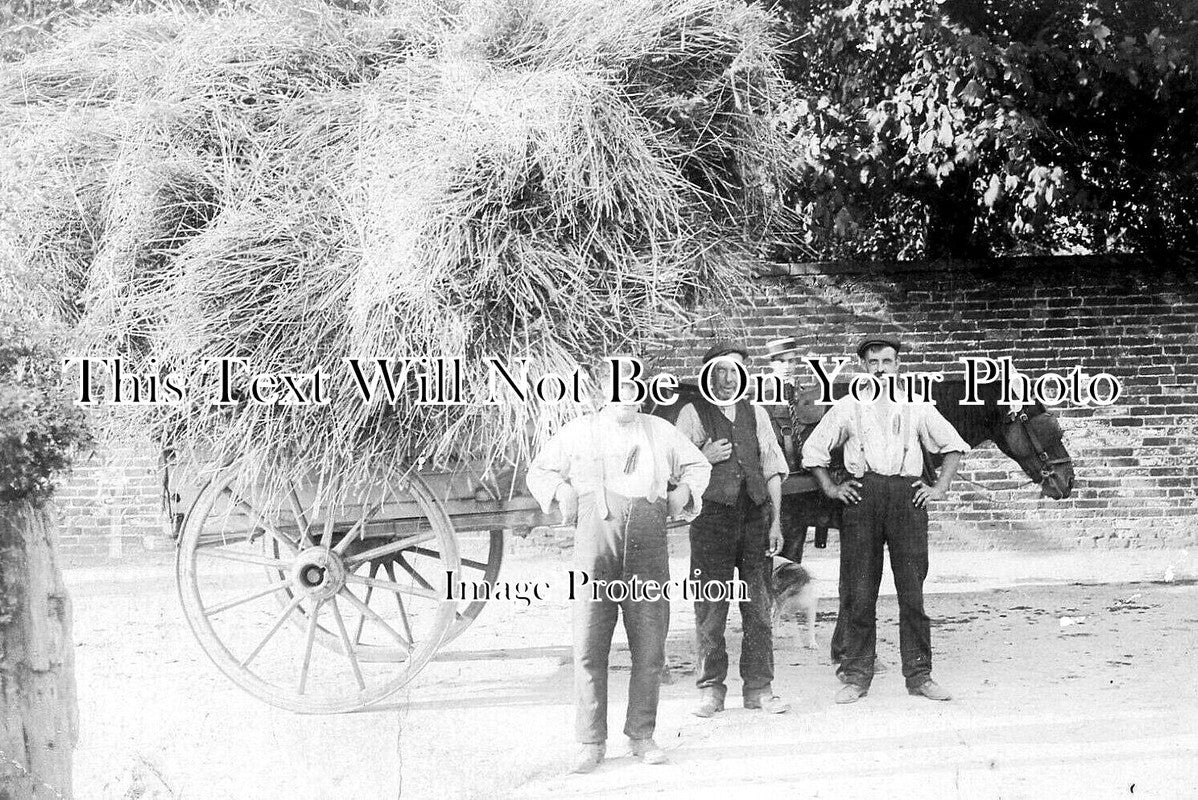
(1029, 435)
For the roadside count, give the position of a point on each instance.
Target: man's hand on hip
(846, 492)
(924, 493)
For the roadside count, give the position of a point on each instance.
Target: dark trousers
(631, 541)
(794, 527)
(885, 516)
(725, 537)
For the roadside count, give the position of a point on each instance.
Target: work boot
(589, 756)
(647, 751)
(768, 702)
(850, 693)
(710, 702)
(931, 690)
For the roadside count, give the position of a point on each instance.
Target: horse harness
(1046, 464)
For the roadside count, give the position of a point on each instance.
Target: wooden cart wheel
(480, 554)
(364, 573)
(481, 560)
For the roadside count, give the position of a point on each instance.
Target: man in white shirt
(609, 473)
(739, 529)
(885, 504)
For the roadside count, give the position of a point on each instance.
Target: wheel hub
(318, 573)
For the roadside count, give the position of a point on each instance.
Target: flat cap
(723, 348)
(877, 341)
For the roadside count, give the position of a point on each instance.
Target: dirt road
(1103, 705)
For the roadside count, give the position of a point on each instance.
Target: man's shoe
(648, 751)
(850, 693)
(589, 757)
(770, 703)
(709, 705)
(931, 690)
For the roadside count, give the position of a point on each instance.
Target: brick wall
(1136, 462)
(110, 505)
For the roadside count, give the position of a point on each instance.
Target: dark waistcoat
(743, 467)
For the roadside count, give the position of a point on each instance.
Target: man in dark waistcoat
(739, 529)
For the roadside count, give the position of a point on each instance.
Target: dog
(792, 590)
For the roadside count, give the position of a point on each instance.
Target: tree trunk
(38, 714)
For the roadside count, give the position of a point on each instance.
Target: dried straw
(293, 185)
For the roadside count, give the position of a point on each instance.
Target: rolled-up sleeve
(549, 469)
(689, 466)
(830, 432)
(937, 435)
(690, 425)
(773, 460)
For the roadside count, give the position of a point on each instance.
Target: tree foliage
(40, 429)
(975, 128)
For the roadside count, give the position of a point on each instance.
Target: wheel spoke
(370, 612)
(403, 612)
(395, 587)
(259, 520)
(326, 536)
(287, 544)
(297, 510)
(310, 640)
(254, 595)
(388, 549)
(466, 562)
(408, 568)
(374, 568)
(349, 648)
(279, 620)
(359, 526)
(245, 558)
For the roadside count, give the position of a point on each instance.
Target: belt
(870, 473)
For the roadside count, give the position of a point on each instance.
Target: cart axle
(318, 573)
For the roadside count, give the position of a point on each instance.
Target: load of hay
(294, 185)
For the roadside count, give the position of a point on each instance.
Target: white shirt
(886, 438)
(594, 451)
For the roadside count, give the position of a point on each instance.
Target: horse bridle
(1046, 463)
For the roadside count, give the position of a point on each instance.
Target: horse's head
(1032, 437)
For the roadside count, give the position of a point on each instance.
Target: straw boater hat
(781, 347)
